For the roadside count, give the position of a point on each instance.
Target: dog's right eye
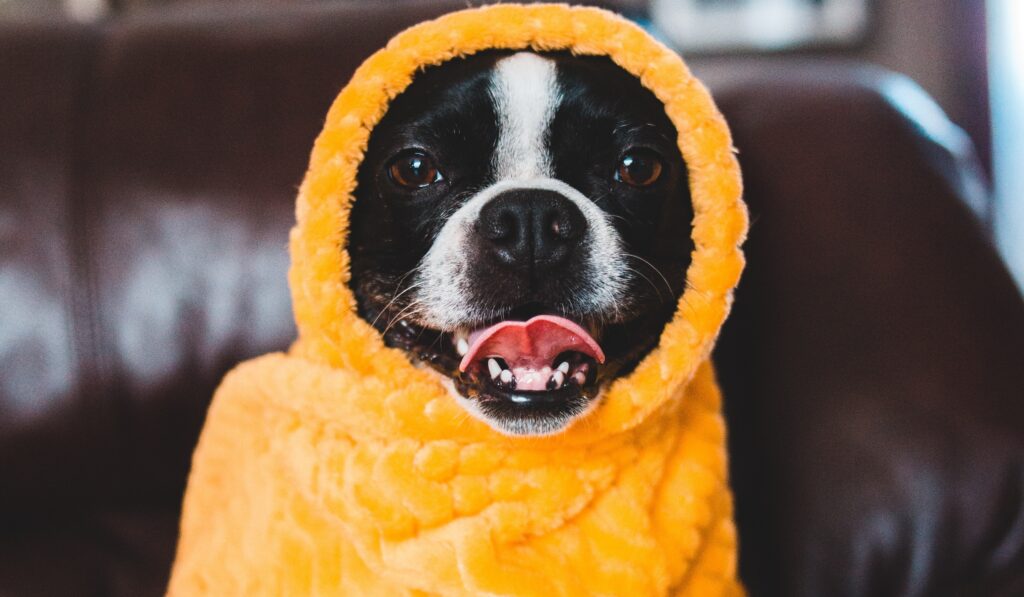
(414, 170)
(639, 168)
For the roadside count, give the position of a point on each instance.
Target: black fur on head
(446, 176)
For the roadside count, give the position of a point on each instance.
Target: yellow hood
(329, 330)
(342, 468)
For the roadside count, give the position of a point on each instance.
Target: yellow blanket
(339, 468)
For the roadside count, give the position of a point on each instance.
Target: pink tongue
(530, 347)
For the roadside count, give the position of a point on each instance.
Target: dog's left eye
(414, 170)
(639, 168)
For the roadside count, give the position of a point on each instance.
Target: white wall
(1006, 76)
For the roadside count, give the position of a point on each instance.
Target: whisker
(656, 270)
(437, 339)
(398, 316)
(688, 286)
(661, 299)
(392, 301)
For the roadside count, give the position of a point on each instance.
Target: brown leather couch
(873, 367)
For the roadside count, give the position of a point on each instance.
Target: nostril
(500, 227)
(565, 223)
(497, 223)
(558, 226)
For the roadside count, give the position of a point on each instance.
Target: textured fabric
(341, 468)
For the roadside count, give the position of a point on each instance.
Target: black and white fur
(508, 132)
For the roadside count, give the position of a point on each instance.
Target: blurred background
(873, 364)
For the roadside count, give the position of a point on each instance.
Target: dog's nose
(531, 227)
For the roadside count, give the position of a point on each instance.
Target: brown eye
(639, 168)
(414, 171)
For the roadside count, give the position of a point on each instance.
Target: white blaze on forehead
(524, 88)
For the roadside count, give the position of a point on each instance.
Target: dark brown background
(873, 366)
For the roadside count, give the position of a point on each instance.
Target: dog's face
(522, 225)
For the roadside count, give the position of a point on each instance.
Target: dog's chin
(551, 395)
(549, 414)
(569, 394)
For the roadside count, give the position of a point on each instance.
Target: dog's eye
(639, 168)
(414, 170)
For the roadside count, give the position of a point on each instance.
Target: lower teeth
(556, 381)
(502, 375)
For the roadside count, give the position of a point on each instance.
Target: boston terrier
(522, 226)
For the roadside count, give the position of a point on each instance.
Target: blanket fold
(340, 468)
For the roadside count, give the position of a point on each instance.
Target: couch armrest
(874, 364)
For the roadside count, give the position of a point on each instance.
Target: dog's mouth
(527, 361)
(527, 374)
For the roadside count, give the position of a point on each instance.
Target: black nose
(531, 228)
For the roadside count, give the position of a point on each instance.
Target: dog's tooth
(494, 368)
(558, 378)
(462, 347)
(505, 375)
(579, 377)
(564, 367)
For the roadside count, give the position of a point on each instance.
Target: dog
(517, 225)
(521, 226)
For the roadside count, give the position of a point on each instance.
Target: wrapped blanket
(340, 468)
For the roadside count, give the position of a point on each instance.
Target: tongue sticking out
(530, 347)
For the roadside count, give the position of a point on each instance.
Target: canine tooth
(564, 367)
(494, 368)
(462, 347)
(579, 377)
(558, 378)
(506, 375)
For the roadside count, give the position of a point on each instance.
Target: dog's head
(522, 225)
